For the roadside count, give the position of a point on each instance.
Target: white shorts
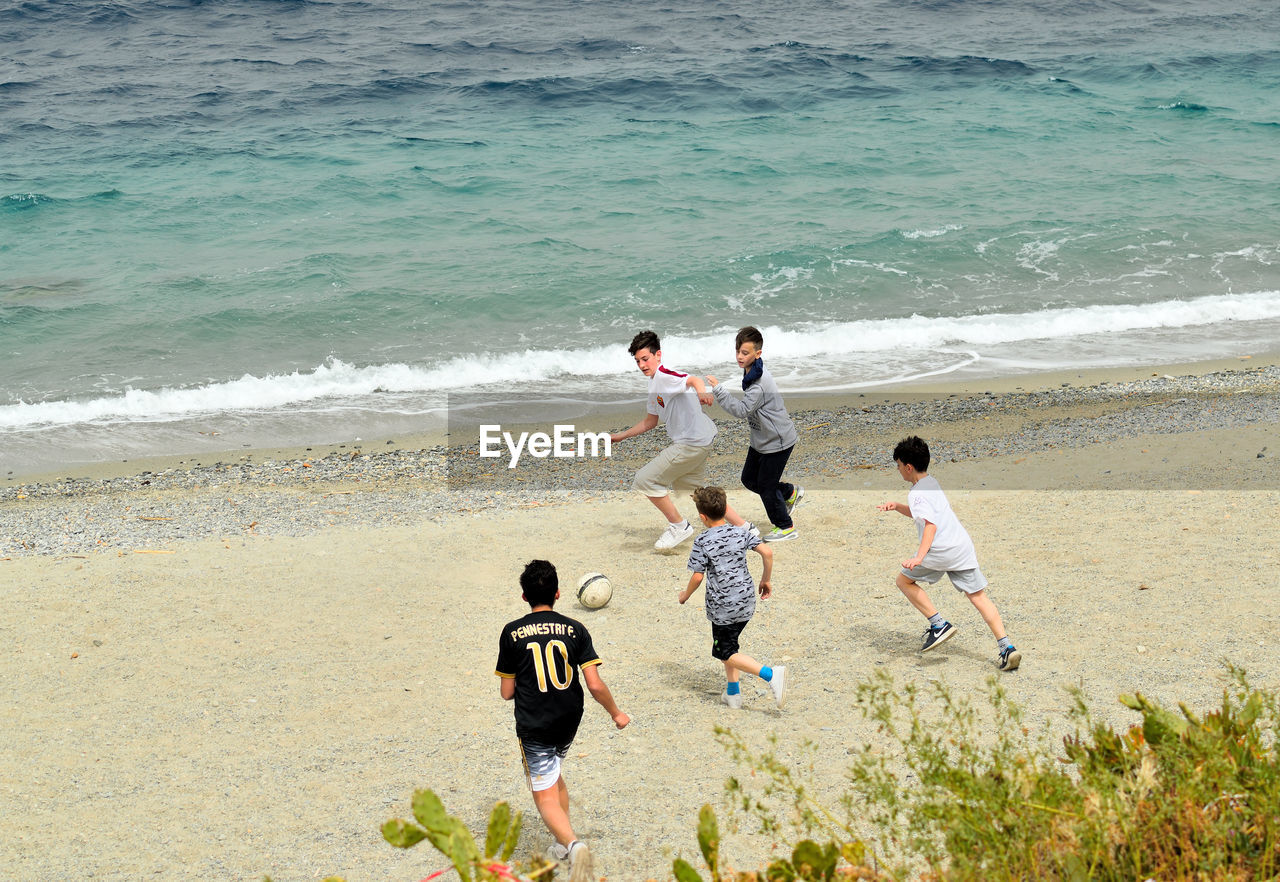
(677, 467)
(542, 763)
(968, 581)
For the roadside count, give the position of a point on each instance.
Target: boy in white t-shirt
(945, 548)
(675, 400)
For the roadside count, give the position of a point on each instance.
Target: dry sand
(256, 704)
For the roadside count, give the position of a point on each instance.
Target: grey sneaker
(779, 685)
(797, 497)
(934, 636)
(734, 701)
(674, 535)
(777, 534)
(751, 528)
(557, 852)
(579, 862)
(1009, 659)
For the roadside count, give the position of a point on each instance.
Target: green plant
(966, 792)
(808, 862)
(452, 839)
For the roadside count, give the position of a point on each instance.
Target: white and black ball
(594, 590)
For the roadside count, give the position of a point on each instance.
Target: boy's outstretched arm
(695, 580)
(649, 421)
(740, 407)
(766, 578)
(694, 382)
(601, 693)
(900, 507)
(926, 542)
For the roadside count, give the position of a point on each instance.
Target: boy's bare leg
(919, 597)
(733, 517)
(982, 603)
(730, 672)
(553, 806)
(739, 662)
(667, 507)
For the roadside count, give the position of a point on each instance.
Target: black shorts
(724, 639)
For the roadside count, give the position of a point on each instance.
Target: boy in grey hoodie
(773, 434)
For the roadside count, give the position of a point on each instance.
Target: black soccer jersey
(542, 652)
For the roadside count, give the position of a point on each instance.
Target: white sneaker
(751, 528)
(557, 852)
(779, 685)
(674, 535)
(778, 534)
(797, 497)
(734, 701)
(579, 862)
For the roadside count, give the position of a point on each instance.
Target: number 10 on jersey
(557, 660)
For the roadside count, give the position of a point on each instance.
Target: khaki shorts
(677, 467)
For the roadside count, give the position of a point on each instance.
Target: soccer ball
(594, 590)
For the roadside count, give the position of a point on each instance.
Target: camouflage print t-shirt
(721, 553)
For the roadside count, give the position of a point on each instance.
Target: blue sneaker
(1009, 659)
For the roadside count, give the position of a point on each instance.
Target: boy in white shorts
(681, 466)
(543, 660)
(945, 548)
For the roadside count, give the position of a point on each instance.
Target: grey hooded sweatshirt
(771, 428)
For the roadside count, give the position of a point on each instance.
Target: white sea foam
(932, 234)
(855, 345)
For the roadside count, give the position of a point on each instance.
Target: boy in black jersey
(539, 657)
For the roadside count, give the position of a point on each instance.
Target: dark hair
(749, 334)
(645, 340)
(539, 583)
(914, 452)
(711, 502)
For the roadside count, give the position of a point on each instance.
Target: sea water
(286, 222)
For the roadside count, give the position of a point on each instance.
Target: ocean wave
(24, 201)
(966, 66)
(336, 384)
(29, 201)
(931, 234)
(246, 394)
(1184, 107)
(921, 332)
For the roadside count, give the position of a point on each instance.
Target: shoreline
(1032, 382)
(606, 416)
(1205, 431)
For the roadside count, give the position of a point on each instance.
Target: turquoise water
(309, 221)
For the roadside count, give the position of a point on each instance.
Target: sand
(243, 703)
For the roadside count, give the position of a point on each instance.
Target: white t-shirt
(952, 549)
(677, 408)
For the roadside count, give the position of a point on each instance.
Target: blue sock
(936, 620)
(1004, 643)
(766, 673)
(733, 688)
